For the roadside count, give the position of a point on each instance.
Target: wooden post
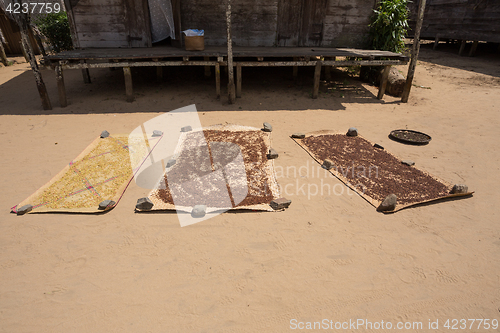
(414, 54)
(208, 72)
(3, 56)
(60, 86)
(462, 47)
(238, 80)
(473, 49)
(436, 43)
(317, 76)
(39, 42)
(383, 82)
(22, 22)
(295, 68)
(217, 80)
(129, 90)
(230, 85)
(23, 49)
(159, 73)
(85, 74)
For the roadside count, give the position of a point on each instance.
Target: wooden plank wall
(346, 23)
(253, 21)
(474, 20)
(109, 23)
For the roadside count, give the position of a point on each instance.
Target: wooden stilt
(383, 82)
(208, 72)
(86, 74)
(238, 80)
(230, 85)
(436, 43)
(295, 68)
(217, 80)
(159, 73)
(473, 49)
(414, 54)
(25, 54)
(3, 56)
(22, 22)
(60, 86)
(462, 47)
(129, 90)
(317, 76)
(39, 42)
(328, 73)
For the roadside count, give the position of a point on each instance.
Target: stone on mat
(353, 131)
(106, 203)
(388, 204)
(24, 209)
(157, 133)
(408, 162)
(272, 154)
(144, 204)
(186, 129)
(378, 146)
(267, 127)
(298, 135)
(104, 134)
(199, 211)
(171, 162)
(327, 164)
(459, 189)
(280, 203)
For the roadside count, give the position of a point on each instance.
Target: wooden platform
(85, 59)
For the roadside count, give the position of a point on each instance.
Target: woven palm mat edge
(375, 203)
(268, 169)
(43, 209)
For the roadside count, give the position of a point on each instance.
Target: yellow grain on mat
(90, 180)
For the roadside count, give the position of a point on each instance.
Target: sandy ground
(328, 257)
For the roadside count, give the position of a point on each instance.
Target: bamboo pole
(414, 54)
(231, 89)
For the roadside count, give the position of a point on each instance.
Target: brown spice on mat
(194, 168)
(373, 171)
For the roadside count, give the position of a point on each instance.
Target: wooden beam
(230, 85)
(238, 80)
(61, 89)
(414, 54)
(129, 90)
(383, 82)
(317, 76)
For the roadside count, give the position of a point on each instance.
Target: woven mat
(223, 167)
(373, 172)
(101, 172)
